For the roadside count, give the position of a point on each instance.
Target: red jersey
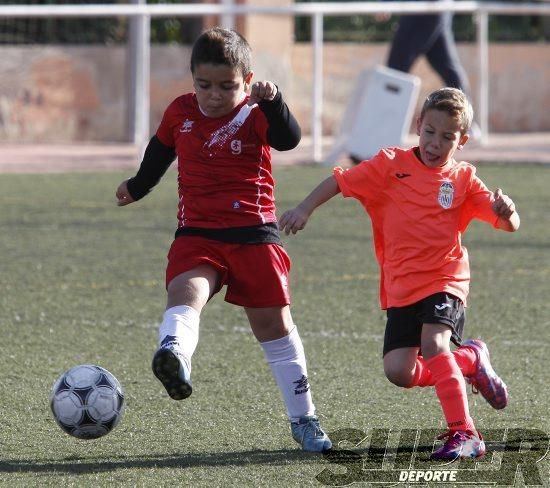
(418, 217)
(224, 165)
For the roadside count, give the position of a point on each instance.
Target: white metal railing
(317, 12)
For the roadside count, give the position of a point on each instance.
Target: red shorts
(256, 275)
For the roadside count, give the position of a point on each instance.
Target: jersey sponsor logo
(446, 192)
(402, 175)
(186, 126)
(236, 204)
(236, 146)
(302, 385)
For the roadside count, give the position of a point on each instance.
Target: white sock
(180, 325)
(288, 364)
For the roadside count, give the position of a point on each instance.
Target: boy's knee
(399, 377)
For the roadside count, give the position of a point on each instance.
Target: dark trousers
(431, 35)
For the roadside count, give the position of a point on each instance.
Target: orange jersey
(418, 217)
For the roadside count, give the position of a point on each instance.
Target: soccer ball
(87, 401)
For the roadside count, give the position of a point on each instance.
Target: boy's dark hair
(222, 46)
(454, 102)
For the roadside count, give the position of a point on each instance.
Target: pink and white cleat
(485, 380)
(460, 444)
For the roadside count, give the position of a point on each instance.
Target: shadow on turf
(374, 454)
(242, 458)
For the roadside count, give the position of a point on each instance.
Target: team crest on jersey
(236, 146)
(186, 126)
(446, 192)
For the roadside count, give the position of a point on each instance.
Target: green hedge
(87, 30)
(364, 28)
(183, 30)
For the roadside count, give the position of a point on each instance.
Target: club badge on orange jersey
(446, 192)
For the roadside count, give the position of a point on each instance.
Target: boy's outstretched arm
(296, 219)
(156, 160)
(505, 208)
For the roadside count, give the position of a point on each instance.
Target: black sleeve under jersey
(283, 132)
(156, 161)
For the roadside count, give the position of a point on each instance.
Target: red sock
(450, 388)
(422, 374)
(465, 357)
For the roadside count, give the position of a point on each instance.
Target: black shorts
(404, 325)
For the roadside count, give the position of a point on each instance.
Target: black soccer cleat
(171, 368)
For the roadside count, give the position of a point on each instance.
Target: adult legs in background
(443, 57)
(414, 37)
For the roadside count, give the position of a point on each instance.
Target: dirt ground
(531, 148)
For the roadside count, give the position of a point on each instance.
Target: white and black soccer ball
(87, 401)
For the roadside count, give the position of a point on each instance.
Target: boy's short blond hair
(454, 102)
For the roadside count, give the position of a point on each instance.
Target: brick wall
(54, 94)
(519, 77)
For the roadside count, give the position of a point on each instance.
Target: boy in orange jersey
(227, 227)
(420, 202)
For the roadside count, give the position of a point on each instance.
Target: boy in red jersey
(420, 202)
(227, 228)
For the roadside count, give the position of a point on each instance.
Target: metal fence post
(482, 21)
(317, 81)
(139, 61)
(227, 20)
